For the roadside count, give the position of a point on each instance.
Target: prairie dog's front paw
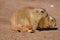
(31, 31)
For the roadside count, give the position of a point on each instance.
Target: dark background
(7, 7)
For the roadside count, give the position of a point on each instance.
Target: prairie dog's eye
(42, 11)
(52, 20)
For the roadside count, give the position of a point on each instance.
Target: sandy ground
(7, 7)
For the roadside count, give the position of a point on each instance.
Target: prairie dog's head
(43, 12)
(52, 21)
(38, 12)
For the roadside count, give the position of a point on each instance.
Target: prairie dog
(27, 19)
(47, 22)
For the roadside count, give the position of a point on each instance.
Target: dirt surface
(7, 7)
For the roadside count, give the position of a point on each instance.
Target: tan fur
(27, 19)
(20, 20)
(47, 22)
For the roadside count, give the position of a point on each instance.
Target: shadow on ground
(46, 29)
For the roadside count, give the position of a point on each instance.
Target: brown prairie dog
(29, 17)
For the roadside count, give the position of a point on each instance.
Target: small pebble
(51, 5)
